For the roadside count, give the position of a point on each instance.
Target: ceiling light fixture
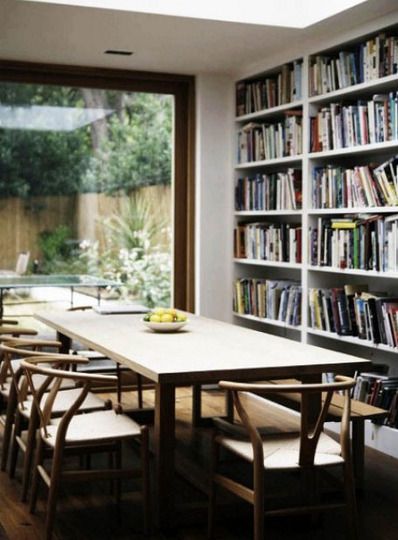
(120, 52)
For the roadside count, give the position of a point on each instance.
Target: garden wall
(21, 221)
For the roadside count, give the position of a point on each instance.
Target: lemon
(167, 317)
(171, 311)
(155, 318)
(181, 317)
(159, 311)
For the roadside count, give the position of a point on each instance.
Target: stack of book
(377, 57)
(380, 390)
(268, 241)
(367, 122)
(362, 242)
(272, 91)
(257, 142)
(276, 191)
(268, 299)
(354, 311)
(363, 186)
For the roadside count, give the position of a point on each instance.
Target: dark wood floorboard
(88, 512)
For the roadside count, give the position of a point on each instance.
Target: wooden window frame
(183, 89)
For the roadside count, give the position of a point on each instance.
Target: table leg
(196, 405)
(98, 296)
(358, 450)
(66, 343)
(1, 303)
(164, 442)
(71, 297)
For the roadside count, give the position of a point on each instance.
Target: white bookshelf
(270, 322)
(275, 264)
(276, 162)
(314, 276)
(269, 113)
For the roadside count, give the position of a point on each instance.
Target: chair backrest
(21, 348)
(53, 367)
(245, 394)
(22, 262)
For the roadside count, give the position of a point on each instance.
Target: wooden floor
(89, 512)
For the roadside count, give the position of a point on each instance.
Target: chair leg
(146, 488)
(258, 502)
(28, 458)
(36, 475)
(7, 432)
(351, 504)
(53, 491)
(215, 453)
(118, 466)
(14, 443)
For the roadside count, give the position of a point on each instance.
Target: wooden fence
(21, 221)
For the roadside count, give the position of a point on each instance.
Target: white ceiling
(41, 32)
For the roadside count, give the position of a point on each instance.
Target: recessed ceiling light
(288, 13)
(119, 52)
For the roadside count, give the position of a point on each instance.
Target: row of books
(366, 122)
(276, 191)
(375, 58)
(270, 299)
(271, 91)
(257, 142)
(362, 242)
(362, 186)
(352, 310)
(380, 390)
(268, 241)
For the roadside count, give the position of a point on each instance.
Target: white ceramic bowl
(165, 326)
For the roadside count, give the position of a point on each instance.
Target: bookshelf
(306, 215)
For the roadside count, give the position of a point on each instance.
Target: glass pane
(85, 186)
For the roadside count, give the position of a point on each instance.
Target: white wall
(214, 195)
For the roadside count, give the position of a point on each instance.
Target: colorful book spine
(280, 88)
(268, 299)
(362, 242)
(367, 61)
(277, 191)
(268, 241)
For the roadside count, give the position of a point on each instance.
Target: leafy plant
(57, 252)
(133, 255)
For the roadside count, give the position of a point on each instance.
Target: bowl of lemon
(165, 320)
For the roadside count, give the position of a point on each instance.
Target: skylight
(46, 118)
(288, 13)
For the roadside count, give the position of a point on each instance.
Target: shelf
(273, 111)
(352, 339)
(260, 262)
(270, 162)
(271, 322)
(384, 83)
(354, 150)
(352, 271)
(357, 210)
(254, 213)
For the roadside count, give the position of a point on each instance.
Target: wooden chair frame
(8, 350)
(55, 376)
(309, 437)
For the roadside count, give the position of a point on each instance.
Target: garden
(85, 185)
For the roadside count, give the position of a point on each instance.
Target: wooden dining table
(205, 351)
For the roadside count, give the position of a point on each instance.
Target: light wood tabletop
(205, 351)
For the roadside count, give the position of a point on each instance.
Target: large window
(90, 183)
